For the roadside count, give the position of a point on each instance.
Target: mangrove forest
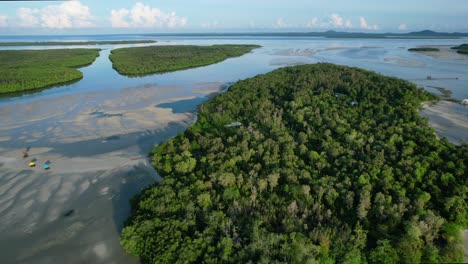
(158, 59)
(23, 70)
(307, 164)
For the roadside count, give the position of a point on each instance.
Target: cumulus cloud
(403, 27)
(336, 21)
(70, 14)
(366, 26)
(143, 16)
(28, 17)
(3, 21)
(332, 21)
(313, 23)
(280, 23)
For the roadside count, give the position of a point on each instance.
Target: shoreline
(445, 52)
(449, 119)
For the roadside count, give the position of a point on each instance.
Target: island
(462, 49)
(23, 70)
(307, 164)
(159, 59)
(75, 43)
(424, 49)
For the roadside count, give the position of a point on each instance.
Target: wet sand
(97, 144)
(449, 119)
(404, 62)
(98, 140)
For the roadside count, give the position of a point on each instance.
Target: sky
(164, 16)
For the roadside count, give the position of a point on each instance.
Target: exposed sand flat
(295, 52)
(449, 119)
(404, 62)
(289, 61)
(208, 87)
(445, 53)
(97, 143)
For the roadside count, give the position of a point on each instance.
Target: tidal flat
(97, 133)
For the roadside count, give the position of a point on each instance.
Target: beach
(449, 119)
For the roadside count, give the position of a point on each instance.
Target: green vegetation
(74, 43)
(330, 165)
(462, 49)
(22, 70)
(156, 59)
(424, 49)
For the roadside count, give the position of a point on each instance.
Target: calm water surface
(98, 131)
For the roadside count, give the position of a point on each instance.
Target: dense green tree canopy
(331, 164)
(32, 69)
(462, 49)
(156, 59)
(424, 49)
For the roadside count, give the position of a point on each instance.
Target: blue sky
(127, 16)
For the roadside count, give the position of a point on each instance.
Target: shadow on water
(183, 106)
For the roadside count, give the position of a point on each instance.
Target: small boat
(46, 167)
(32, 164)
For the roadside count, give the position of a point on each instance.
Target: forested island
(314, 163)
(75, 43)
(462, 49)
(424, 49)
(158, 59)
(23, 70)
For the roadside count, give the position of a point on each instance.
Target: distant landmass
(424, 34)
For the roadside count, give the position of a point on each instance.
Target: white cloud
(143, 16)
(28, 17)
(118, 18)
(70, 14)
(313, 23)
(332, 21)
(280, 23)
(403, 27)
(336, 21)
(366, 26)
(3, 21)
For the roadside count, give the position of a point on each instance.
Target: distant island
(424, 49)
(443, 51)
(462, 49)
(425, 34)
(307, 164)
(23, 70)
(158, 59)
(75, 43)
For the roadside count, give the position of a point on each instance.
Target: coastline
(449, 119)
(445, 53)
